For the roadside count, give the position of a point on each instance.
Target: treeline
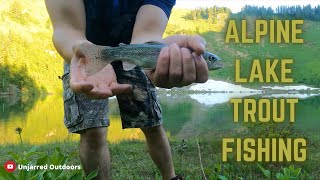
(210, 14)
(296, 12)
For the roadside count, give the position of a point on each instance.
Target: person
(110, 22)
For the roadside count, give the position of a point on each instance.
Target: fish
(142, 55)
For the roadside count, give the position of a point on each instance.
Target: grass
(130, 160)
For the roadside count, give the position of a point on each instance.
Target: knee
(153, 131)
(93, 138)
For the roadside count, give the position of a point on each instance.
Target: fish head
(213, 61)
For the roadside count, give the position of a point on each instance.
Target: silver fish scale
(144, 56)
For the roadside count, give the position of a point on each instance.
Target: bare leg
(94, 152)
(159, 150)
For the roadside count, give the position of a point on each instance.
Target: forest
(28, 60)
(294, 12)
(210, 14)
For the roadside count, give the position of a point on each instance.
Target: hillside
(306, 56)
(27, 53)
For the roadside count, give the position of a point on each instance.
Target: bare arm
(150, 25)
(176, 65)
(69, 27)
(151, 28)
(68, 20)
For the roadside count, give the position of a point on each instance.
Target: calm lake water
(185, 115)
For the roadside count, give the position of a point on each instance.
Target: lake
(186, 114)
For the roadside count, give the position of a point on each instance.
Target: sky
(236, 5)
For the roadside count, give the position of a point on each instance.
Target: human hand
(100, 85)
(177, 66)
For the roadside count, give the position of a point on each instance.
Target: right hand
(177, 66)
(100, 85)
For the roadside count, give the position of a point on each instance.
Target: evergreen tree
(295, 12)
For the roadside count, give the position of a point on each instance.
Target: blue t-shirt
(110, 22)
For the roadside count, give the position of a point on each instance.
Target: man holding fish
(108, 23)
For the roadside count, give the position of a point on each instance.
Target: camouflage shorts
(138, 109)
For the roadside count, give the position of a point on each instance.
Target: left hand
(100, 85)
(177, 66)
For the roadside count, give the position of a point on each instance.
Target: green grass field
(130, 160)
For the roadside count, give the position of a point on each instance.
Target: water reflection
(184, 116)
(15, 105)
(212, 112)
(44, 123)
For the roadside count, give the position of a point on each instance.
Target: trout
(142, 55)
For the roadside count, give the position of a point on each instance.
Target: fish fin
(122, 44)
(128, 66)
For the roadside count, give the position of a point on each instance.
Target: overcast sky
(236, 5)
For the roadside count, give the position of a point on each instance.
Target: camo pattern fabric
(138, 109)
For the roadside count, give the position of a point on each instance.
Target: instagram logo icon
(10, 166)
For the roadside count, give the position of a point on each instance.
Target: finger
(161, 73)
(99, 93)
(175, 68)
(197, 44)
(202, 71)
(78, 81)
(77, 69)
(189, 70)
(81, 87)
(117, 88)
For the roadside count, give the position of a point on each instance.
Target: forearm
(68, 21)
(64, 39)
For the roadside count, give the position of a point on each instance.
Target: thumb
(77, 52)
(197, 44)
(117, 88)
(79, 48)
(80, 87)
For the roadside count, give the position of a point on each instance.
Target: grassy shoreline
(130, 160)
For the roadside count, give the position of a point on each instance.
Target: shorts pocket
(156, 105)
(72, 115)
